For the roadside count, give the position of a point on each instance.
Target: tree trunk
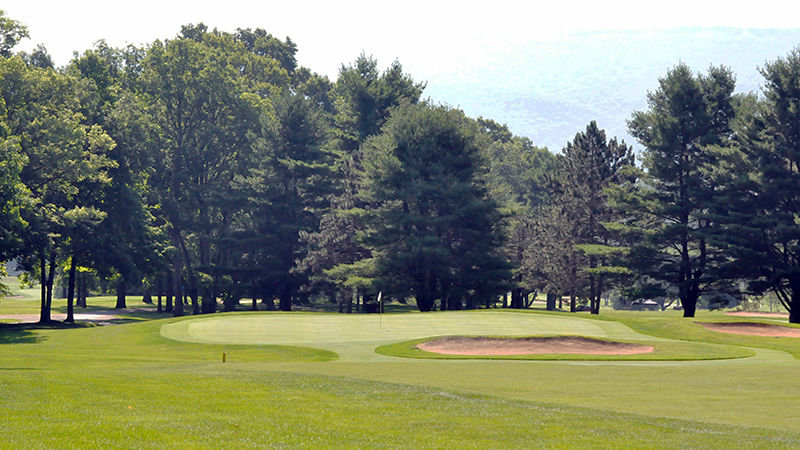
(210, 299)
(689, 297)
(44, 313)
(158, 292)
(195, 300)
(517, 300)
(689, 303)
(598, 292)
(81, 289)
(551, 301)
(121, 293)
(425, 302)
(187, 263)
(689, 308)
(177, 305)
(572, 302)
(794, 306)
(170, 291)
(51, 274)
(269, 301)
(530, 298)
(468, 302)
(147, 296)
(71, 291)
(285, 298)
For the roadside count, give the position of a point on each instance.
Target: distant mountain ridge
(549, 90)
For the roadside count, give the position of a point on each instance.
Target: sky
(545, 70)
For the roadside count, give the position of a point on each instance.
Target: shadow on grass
(20, 333)
(17, 335)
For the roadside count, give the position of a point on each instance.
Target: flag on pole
(380, 310)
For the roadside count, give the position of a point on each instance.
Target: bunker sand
(753, 329)
(83, 317)
(490, 346)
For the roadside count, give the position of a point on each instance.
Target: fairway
(164, 381)
(354, 337)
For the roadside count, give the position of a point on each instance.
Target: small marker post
(223, 356)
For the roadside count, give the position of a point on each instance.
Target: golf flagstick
(380, 309)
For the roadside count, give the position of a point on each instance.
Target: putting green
(355, 337)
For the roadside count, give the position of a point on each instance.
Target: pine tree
(759, 182)
(432, 232)
(588, 166)
(685, 115)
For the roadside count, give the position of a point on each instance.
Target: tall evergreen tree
(759, 180)
(587, 167)
(288, 190)
(432, 231)
(685, 115)
(363, 99)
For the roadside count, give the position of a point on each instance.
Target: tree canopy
(212, 167)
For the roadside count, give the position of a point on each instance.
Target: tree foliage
(211, 165)
(432, 226)
(686, 115)
(759, 179)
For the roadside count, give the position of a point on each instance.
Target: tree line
(211, 167)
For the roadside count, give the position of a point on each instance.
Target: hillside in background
(549, 90)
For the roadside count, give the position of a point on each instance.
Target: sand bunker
(774, 315)
(526, 346)
(753, 329)
(82, 317)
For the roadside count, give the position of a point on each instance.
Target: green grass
(662, 351)
(314, 380)
(154, 407)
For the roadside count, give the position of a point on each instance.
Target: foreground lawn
(205, 406)
(129, 386)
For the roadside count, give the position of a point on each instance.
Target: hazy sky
(331, 32)
(456, 46)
